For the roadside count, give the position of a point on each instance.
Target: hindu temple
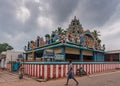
(74, 43)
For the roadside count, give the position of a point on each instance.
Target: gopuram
(61, 45)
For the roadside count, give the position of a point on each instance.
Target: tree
(5, 47)
(96, 34)
(59, 30)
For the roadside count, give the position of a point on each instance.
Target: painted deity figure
(47, 37)
(71, 37)
(81, 40)
(25, 48)
(32, 44)
(86, 41)
(91, 43)
(60, 37)
(103, 46)
(56, 37)
(35, 43)
(96, 45)
(75, 38)
(41, 41)
(99, 46)
(64, 38)
(78, 40)
(52, 40)
(28, 47)
(38, 40)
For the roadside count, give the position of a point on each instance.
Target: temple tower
(75, 27)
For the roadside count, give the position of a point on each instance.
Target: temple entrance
(87, 58)
(73, 57)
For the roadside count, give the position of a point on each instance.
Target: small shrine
(63, 44)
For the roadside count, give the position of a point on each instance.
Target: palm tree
(64, 32)
(59, 30)
(96, 34)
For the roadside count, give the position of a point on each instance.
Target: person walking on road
(71, 74)
(21, 70)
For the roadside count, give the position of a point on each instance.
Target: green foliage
(96, 34)
(59, 30)
(5, 47)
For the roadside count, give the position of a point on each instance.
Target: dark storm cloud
(92, 13)
(11, 28)
(62, 9)
(31, 24)
(6, 15)
(96, 12)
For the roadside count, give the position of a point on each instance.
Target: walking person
(21, 69)
(71, 74)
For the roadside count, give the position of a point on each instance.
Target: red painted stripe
(64, 70)
(30, 70)
(59, 71)
(35, 70)
(48, 71)
(93, 68)
(42, 71)
(76, 69)
(90, 68)
(54, 71)
(38, 71)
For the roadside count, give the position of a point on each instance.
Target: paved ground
(102, 79)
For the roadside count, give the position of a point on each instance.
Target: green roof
(59, 44)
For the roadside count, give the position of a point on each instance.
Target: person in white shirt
(71, 74)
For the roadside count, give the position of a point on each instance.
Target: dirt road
(102, 79)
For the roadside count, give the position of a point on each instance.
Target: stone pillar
(35, 55)
(111, 58)
(81, 56)
(103, 58)
(26, 57)
(95, 57)
(63, 52)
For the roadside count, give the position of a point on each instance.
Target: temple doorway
(73, 57)
(87, 58)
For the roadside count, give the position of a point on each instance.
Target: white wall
(2, 63)
(12, 55)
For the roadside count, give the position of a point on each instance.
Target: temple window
(73, 23)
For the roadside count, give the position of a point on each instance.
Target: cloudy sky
(23, 20)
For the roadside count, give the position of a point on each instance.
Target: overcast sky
(23, 20)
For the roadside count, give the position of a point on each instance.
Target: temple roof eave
(67, 44)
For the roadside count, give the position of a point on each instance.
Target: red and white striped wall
(58, 71)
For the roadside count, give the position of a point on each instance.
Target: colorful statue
(28, 45)
(99, 44)
(25, 48)
(52, 40)
(103, 46)
(63, 38)
(32, 44)
(35, 43)
(47, 39)
(38, 40)
(41, 43)
(82, 40)
(75, 38)
(56, 36)
(86, 41)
